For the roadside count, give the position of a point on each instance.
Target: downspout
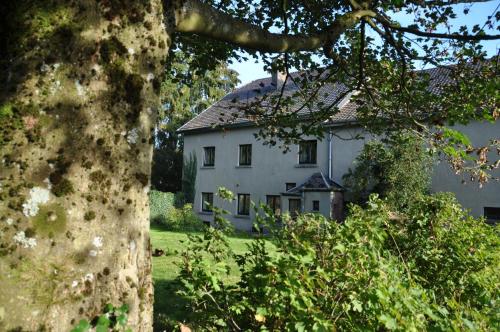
(303, 205)
(330, 171)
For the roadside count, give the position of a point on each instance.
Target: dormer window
(307, 152)
(209, 156)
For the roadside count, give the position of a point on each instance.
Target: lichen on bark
(77, 80)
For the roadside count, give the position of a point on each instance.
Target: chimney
(278, 78)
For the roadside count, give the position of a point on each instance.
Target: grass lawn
(169, 308)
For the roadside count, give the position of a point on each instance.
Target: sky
(249, 70)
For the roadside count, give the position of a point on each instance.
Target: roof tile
(229, 110)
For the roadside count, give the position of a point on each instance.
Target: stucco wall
(271, 169)
(347, 143)
(324, 199)
(469, 194)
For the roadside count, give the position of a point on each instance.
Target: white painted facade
(271, 169)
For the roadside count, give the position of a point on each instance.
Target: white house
(309, 177)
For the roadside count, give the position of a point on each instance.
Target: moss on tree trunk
(76, 115)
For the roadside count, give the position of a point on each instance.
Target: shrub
(160, 205)
(112, 319)
(183, 219)
(432, 268)
(163, 212)
(189, 170)
(398, 169)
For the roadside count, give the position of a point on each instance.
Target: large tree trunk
(78, 98)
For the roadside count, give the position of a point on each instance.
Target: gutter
(207, 129)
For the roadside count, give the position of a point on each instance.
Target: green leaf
(101, 328)
(108, 308)
(122, 319)
(300, 327)
(6, 111)
(357, 306)
(389, 322)
(82, 326)
(123, 309)
(103, 321)
(340, 247)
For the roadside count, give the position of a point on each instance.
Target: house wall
(444, 179)
(470, 195)
(324, 198)
(347, 143)
(270, 170)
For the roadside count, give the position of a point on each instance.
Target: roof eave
(336, 124)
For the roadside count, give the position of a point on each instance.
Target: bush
(432, 268)
(398, 169)
(164, 212)
(160, 205)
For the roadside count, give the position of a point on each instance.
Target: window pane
(207, 200)
(307, 152)
(492, 214)
(209, 156)
(315, 205)
(274, 203)
(294, 207)
(245, 154)
(244, 204)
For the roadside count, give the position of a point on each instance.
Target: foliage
(164, 212)
(383, 62)
(183, 218)
(189, 170)
(186, 91)
(160, 204)
(398, 170)
(169, 307)
(432, 268)
(112, 319)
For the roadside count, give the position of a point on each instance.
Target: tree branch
(413, 31)
(196, 17)
(444, 2)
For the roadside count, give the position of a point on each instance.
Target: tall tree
(187, 90)
(79, 95)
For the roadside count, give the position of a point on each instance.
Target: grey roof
(229, 111)
(316, 182)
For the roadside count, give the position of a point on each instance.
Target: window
(307, 152)
(294, 207)
(492, 214)
(290, 185)
(316, 206)
(207, 200)
(244, 204)
(245, 155)
(274, 203)
(209, 156)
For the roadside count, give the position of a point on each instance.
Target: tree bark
(77, 108)
(80, 82)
